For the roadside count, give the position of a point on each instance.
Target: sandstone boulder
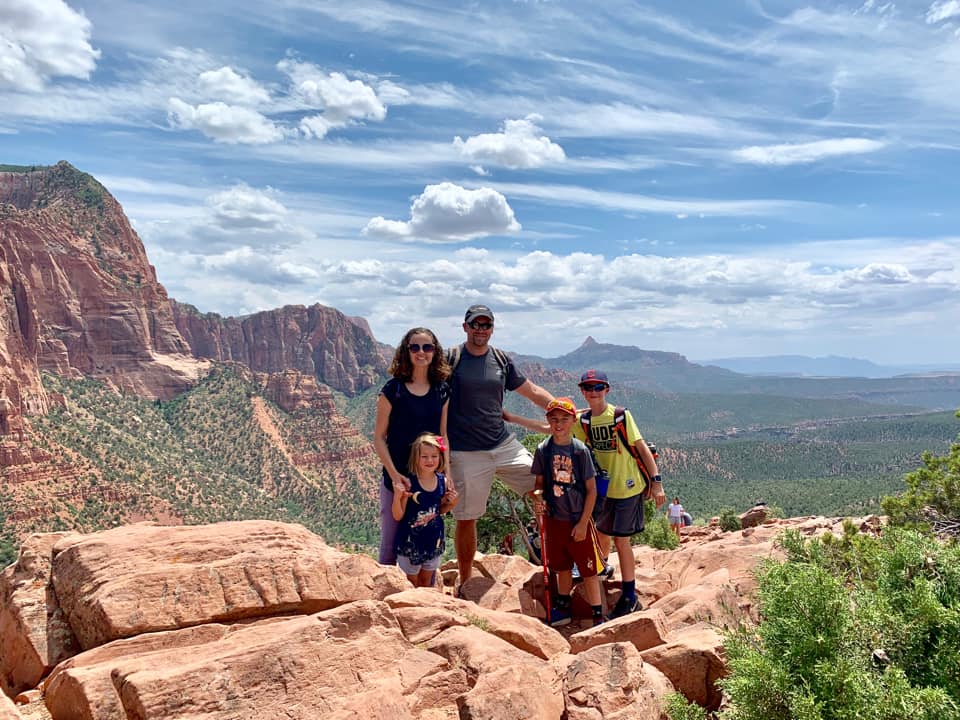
(143, 578)
(692, 658)
(611, 682)
(8, 711)
(424, 614)
(644, 629)
(34, 635)
(351, 661)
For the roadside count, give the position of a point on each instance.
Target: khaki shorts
(473, 472)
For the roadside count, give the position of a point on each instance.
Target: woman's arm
(451, 485)
(380, 427)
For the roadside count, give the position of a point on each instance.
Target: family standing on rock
(456, 398)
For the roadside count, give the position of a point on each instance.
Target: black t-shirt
(565, 470)
(410, 415)
(475, 418)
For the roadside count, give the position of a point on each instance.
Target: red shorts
(563, 551)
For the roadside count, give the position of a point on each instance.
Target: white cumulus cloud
(449, 213)
(41, 40)
(518, 145)
(803, 153)
(224, 123)
(342, 101)
(245, 207)
(228, 85)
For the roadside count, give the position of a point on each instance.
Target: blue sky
(726, 179)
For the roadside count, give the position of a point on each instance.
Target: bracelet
(656, 478)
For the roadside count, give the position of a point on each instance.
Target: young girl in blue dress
(419, 510)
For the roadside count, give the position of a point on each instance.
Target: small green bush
(679, 708)
(729, 520)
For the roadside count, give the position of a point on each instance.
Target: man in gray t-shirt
(480, 445)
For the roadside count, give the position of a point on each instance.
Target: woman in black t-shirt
(413, 401)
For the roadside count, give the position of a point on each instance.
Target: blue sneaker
(559, 617)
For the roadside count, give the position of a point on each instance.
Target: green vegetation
(203, 457)
(18, 168)
(932, 499)
(856, 627)
(729, 520)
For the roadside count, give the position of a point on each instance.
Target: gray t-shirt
(475, 417)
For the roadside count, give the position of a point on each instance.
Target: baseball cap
(563, 404)
(475, 311)
(594, 376)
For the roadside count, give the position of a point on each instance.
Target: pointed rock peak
(589, 342)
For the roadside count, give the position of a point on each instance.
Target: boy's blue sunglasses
(594, 387)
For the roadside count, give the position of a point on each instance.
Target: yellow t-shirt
(625, 478)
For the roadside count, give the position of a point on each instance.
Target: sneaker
(575, 574)
(625, 606)
(558, 617)
(606, 573)
(600, 620)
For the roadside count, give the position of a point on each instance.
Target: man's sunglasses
(476, 325)
(596, 387)
(426, 347)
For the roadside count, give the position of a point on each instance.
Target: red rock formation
(317, 341)
(80, 296)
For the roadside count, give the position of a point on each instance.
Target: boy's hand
(579, 532)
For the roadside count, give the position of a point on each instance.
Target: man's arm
(534, 393)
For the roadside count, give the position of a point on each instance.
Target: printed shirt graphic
(420, 534)
(625, 478)
(564, 487)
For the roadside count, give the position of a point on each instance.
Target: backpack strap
(455, 353)
(585, 425)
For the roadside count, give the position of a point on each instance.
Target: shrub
(679, 708)
(729, 520)
(855, 627)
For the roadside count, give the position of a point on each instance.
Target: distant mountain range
(829, 366)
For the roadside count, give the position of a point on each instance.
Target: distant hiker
(621, 451)
(413, 401)
(675, 514)
(419, 510)
(565, 473)
(506, 545)
(481, 445)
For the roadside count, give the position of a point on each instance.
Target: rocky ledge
(259, 619)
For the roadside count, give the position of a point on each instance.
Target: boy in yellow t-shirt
(620, 513)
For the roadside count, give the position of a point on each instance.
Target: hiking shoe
(558, 617)
(625, 606)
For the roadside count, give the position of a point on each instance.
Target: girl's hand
(400, 481)
(402, 492)
(451, 494)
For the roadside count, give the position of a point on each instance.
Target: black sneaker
(606, 573)
(625, 606)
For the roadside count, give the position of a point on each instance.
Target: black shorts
(619, 517)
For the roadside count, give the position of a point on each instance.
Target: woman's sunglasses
(426, 347)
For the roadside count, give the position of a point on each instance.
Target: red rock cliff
(318, 341)
(79, 296)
